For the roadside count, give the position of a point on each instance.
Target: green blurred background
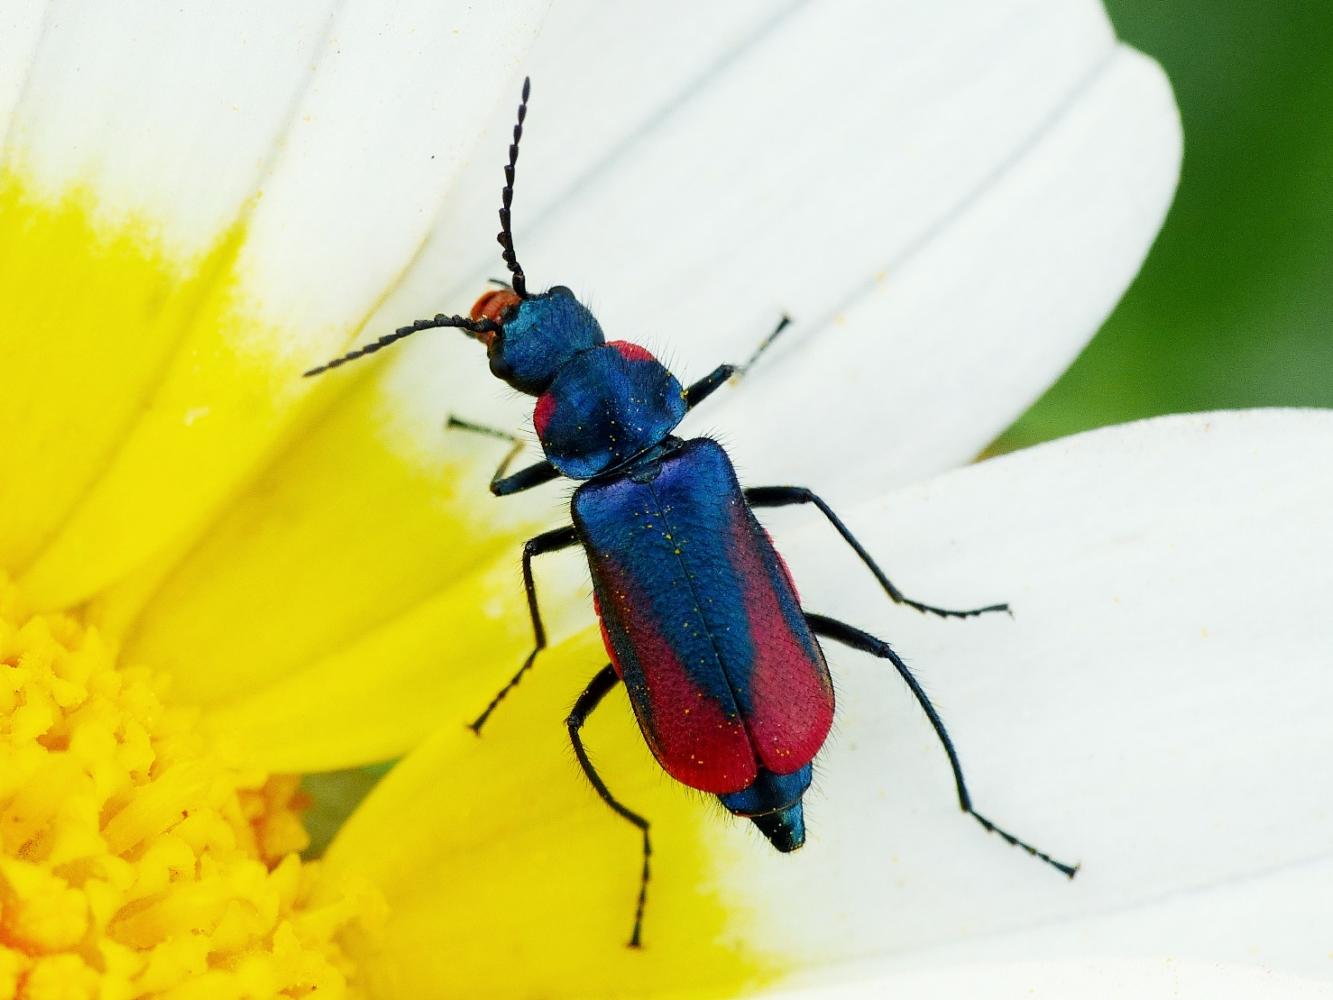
(1234, 306)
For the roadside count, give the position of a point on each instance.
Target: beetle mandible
(699, 613)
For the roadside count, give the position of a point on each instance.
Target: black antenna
(506, 240)
(506, 237)
(471, 326)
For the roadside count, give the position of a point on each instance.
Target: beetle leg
(710, 383)
(606, 679)
(848, 635)
(547, 541)
(524, 479)
(785, 496)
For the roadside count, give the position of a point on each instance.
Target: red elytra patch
(631, 352)
(792, 700)
(690, 734)
(693, 738)
(541, 415)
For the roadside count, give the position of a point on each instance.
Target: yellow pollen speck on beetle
(133, 859)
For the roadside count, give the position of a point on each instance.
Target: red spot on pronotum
(541, 416)
(631, 352)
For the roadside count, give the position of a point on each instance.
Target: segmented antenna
(506, 241)
(472, 326)
(506, 236)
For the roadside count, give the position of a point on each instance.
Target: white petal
(20, 29)
(604, 76)
(349, 120)
(353, 118)
(1277, 920)
(423, 86)
(833, 144)
(924, 369)
(322, 139)
(1155, 710)
(988, 149)
(1086, 980)
(171, 114)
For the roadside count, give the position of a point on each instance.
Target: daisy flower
(224, 575)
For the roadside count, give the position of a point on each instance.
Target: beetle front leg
(547, 541)
(714, 380)
(606, 679)
(785, 496)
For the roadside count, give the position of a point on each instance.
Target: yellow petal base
(133, 860)
(506, 876)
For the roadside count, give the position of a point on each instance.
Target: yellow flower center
(134, 859)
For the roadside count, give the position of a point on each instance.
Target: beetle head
(528, 337)
(532, 336)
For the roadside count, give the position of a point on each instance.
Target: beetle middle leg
(785, 496)
(503, 485)
(831, 628)
(548, 541)
(597, 688)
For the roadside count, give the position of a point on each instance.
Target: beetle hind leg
(592, 695)
(831, 628)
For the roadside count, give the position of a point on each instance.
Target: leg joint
(779, 496)
(549, 541)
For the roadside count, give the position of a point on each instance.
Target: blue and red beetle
(699, 614)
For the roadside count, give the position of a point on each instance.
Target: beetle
(699, 613)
